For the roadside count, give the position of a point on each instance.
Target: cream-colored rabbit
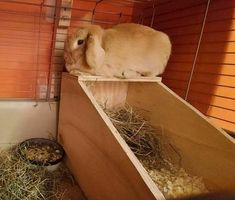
(125, 51)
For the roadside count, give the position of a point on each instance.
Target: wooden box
(104, 165)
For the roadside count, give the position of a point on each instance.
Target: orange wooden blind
(107, 13)
(212, 87)
(182, 21)
(201, 67)
(25, 49)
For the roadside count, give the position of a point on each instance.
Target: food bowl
(41, 152)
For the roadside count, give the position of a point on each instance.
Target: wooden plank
(216, 68)
(180, 84)
(224, 124)
(213, 111)
(101, 161)
(215, 79)
(179, 6)
(185, 39)
(225, 36)
(187, 49)
(222, 14)
(190, 29)
(205, 149)
(105, 79)
(109, 94)
(182, 57)
(181, 13)
(216, 58)
(213, 89)
(184, 21)
(179, 66)
(220, 4)
(212, 100)
(177, 75)
(221, 47)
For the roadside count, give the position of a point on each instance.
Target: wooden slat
(197, 9)
(184, 49)
(219, 47)
(221, 14)
(25, 50)
(226, 125)
(216, 68)
(191, 29)
(182, 57)
(213, 90)
(214, 73)
(186, 39)
(179, 92)
(225, 36)
(179, 66)
(220, 4)
(176, 75)
(172, 6)
(215, 79)
(227, 58)
(212, 100)
(184, 21)
(215, 111)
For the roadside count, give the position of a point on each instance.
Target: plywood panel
(196, 140)
(96, 155)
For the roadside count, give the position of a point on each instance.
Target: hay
(20, 180)
(146, 143)
(140, 136)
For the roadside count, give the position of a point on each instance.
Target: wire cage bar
(31, 27)
(32, 39)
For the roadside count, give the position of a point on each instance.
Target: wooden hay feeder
(104, 165)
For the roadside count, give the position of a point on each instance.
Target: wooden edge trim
(101, 78)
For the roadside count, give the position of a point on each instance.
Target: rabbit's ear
(94, 51)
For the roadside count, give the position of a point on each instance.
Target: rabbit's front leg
(94, 52)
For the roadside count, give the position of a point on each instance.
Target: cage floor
(22, 180)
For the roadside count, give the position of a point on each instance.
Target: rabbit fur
(126, 50)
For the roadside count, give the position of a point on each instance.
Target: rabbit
(126, 50)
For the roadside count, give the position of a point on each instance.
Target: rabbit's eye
(80, 42)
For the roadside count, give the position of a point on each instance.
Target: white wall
(23, 120)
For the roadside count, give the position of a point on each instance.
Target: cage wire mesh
(33, 33)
